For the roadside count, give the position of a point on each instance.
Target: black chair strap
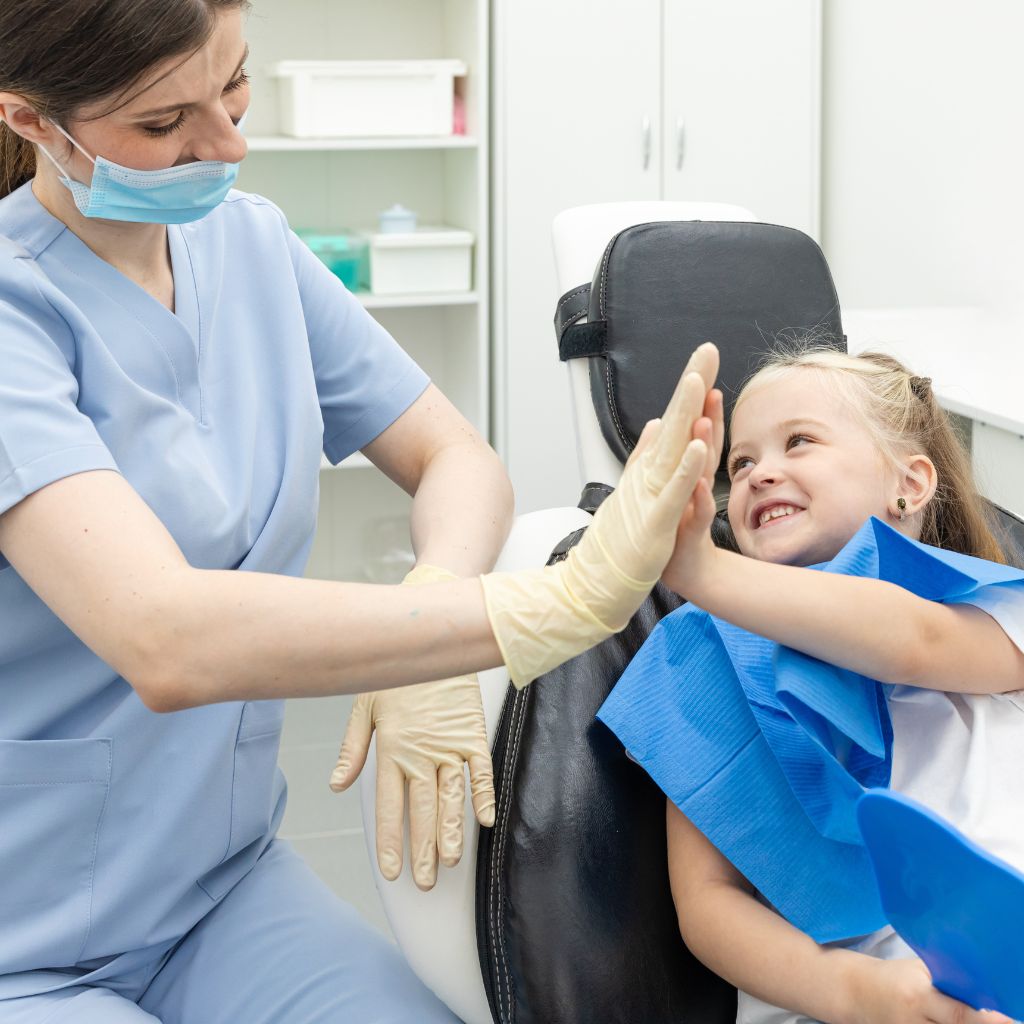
(576, 340)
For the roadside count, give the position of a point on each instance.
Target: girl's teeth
(776, 513)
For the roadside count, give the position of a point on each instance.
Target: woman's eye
(166, 129)
(242, 79)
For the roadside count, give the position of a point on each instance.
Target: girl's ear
(917, 484)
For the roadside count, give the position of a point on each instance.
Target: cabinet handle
(646, 145)
(680, 142)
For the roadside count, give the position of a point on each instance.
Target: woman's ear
(24, 120)
(917, 484)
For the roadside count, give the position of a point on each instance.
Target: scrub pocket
(254, 788)
(52, 795)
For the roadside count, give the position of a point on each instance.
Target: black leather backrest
(575, 920)
(662, 289)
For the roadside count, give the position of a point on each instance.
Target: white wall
(924, 151)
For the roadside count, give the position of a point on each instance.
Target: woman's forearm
(462, 511)
(224, 635)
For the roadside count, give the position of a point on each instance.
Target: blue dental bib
(767, 750)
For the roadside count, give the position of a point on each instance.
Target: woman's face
(805, 472)
(184, 110)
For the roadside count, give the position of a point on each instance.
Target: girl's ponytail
(956, 518)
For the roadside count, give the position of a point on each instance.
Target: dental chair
(562, 913)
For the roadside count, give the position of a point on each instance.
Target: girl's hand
(694, 556)
(901, 992)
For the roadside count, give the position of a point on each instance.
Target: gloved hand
(425, 733)
(542, 617)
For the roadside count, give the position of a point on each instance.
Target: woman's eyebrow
(172, 107)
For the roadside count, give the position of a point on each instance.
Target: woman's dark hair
(64, 55)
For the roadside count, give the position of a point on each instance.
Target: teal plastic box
(346, 255)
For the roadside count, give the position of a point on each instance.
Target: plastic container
(432, 259)
(344, 254)
(396, 220)
(365, 98)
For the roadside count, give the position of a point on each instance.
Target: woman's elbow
(162, 671)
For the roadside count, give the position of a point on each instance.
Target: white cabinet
(600, 101)
(329, 184)
(742, 106)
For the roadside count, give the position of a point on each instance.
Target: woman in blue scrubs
(172, 363)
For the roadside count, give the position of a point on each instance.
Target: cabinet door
(576, 109)
(742, 106)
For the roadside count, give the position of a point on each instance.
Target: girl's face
(182, 111)
(805, 472)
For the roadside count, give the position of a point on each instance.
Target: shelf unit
(286, 144)
(330, 184)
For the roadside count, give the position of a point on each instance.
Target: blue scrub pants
(280, 948)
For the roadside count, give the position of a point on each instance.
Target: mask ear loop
(67, 136)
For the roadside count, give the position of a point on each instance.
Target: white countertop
(975, 357)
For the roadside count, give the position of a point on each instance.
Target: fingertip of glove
(390, 864)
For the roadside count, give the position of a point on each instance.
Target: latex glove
(425, 734)
(543, 617)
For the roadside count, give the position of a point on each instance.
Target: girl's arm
(868, 626)
(759, 952)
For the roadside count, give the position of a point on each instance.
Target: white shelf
(356, 461)
(371, 301)
(288, 144)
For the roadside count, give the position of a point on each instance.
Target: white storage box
(427, 260)
(366, 98)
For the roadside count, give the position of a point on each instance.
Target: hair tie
(921, 386)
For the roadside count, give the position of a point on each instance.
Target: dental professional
(172, 364)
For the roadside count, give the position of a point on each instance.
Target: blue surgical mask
(173, 195)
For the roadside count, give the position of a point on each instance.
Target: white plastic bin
(431, 259)
(366, 98)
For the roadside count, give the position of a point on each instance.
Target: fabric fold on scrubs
(767, 750)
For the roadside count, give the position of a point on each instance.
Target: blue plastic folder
(767, 750)
(959, 908)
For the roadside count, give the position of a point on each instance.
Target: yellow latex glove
(542, 617)
(425, 734)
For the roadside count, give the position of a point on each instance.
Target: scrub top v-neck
(120, 827)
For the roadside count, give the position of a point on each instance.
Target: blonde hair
(902, 415)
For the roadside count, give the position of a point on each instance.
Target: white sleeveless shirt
(961, 755)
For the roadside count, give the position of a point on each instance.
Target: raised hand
(543, 617)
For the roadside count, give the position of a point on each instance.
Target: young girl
(820, 442)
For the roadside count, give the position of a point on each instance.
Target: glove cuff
(537, 621)
(424, 573)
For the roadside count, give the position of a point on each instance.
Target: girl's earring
(901, 505)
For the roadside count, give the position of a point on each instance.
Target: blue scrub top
(119, 827)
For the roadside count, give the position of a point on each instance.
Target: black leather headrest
(662, 289)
